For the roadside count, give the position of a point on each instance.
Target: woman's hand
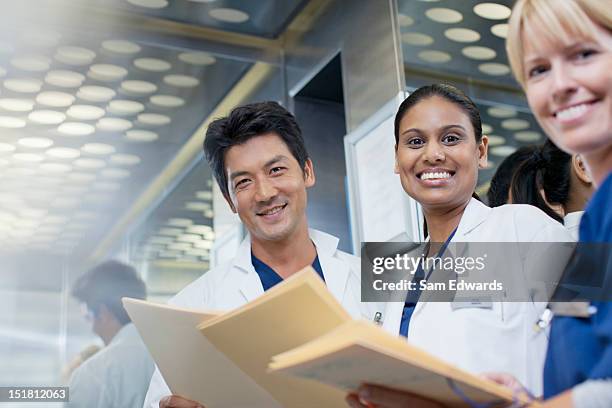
(373, 396)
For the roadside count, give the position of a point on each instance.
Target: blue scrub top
(270, 278)
(581, 348)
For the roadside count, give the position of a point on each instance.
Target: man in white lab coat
(258, 157)
(118, 374)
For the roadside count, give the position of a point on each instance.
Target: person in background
(555, 182)
(499, 188)
(118, 374)
(561, 54)
(79, 359)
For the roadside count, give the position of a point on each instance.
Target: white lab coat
(498, 336)
(116, 376)
(235, 283)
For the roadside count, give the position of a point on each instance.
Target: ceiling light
(500, 30)
(154, 4)
(515, 124)
(63, 153)
(203, 244)
(138, 87)
(35, 63)
(152, 64)
(55, 99)
(106, 72)
(405, 20)
(46, 117)
(492, 11)
(173, 232)
(444, 15)
(167, 101)
(85, 112)
(86, 163)
(6, 147)
(180, 246)
(35, 142)
(56, 168)
(189, 238)
(75, 55)
(199, 229)
(76, 129)
(138, 135)
(528, 136)
(204, 195)
(494, 69)
(121, 46)
(64, 78)
(106, 186)
(125, 159)
(160, 240)
(153, 119)
(486, 129)
(197, 58)
(495, 140)
(82, 177)
(94, 93)
(10, 122)
(28, 157)
(503, 151)
(16, 105)
(417, 39)
(66, 202)
(181, 81)
(479, 53)
(113, 125)
(125, 107)
(179, 222)
(229, 15)
(464, 35)
(197, 206)
(23, 85)
(501, 112)
(98, 148)
(435, 57)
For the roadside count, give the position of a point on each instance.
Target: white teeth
(435, 175)
(272, 210)
(572, 113)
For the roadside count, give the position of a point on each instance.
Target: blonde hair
(554, 20)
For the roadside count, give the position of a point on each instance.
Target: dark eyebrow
(269, 163)
(442, 129)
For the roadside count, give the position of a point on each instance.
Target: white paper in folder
(190, 364)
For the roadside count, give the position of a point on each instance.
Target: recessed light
(528, 136)
(6, 147)
(173, 232)
(35, 142)
(152, 64)
(501, 112)
(98, 148)
(28, 157)
(444, 15)
(486, 129)
(85, 112)
(515, 124)
(55, 99)
(10, 122)
(66, 202)
(153, 119)
(181, 81)
(121, 46)
(154, 4)
(197, 58)
(23, 85)
(64, 78)
(138, 135)
(495, 140)
(167, 101)
(58, 168)
(86, 163)
(503, 151)
(82, 177)
(479, 53)
(229, 15)
(16, 105)
(94, 93)
(76, 129)
(405, 20)
(500, 30)
(492, 11)
(106, 72)
(463, 35)
(179, 222)
(203, 245)
(125, 159)
(113, 125)
(75, 55)
(35, 63)
(125, 107)
(417, 39)
(435, 57)
(138, 87)
(494, 69)
(63, 153)
(199, 229)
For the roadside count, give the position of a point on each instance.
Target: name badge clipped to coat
(581, 310)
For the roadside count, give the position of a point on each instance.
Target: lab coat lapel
(242, 270)
(336, 273)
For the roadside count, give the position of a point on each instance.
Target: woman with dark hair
(438, 152)
(555, 182)
(499, 188)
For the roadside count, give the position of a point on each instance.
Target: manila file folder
(190, 364)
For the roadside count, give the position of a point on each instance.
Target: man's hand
(508, 381)
(174, 401)
(370, 396)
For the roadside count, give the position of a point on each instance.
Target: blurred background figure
(118, 375)
(499, 190)
(76, 362)
(555, 182)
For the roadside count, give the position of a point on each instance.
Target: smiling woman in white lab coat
(439, 149)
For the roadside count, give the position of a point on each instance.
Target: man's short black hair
(106, 284)
(502, 179)
(244, 123)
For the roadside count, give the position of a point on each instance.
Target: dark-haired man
(258, 156)
(118, 374)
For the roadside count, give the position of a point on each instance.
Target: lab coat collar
(336, 273)
(127, 331)
(475, 214)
